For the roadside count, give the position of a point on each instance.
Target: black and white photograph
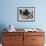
(26, 14)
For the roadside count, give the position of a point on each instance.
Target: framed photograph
(26, 14)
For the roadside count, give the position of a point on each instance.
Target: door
(27, 39)
(13, 40)
(37, 40)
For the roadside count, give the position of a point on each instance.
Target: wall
(9, 13)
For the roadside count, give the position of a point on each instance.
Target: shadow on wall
(2, 26)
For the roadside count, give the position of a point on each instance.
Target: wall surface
(8, 13)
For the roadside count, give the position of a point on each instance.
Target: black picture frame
(26, 14)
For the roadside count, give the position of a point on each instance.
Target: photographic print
(26, 14)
